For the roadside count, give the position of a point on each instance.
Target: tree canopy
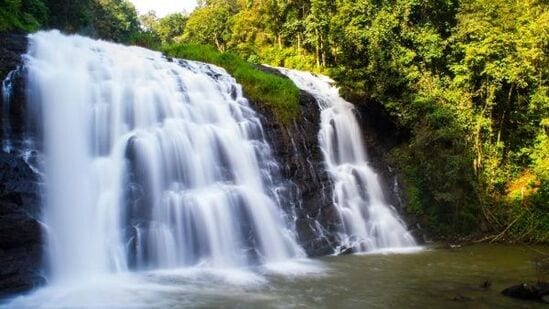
(468, 79)
(114, 20)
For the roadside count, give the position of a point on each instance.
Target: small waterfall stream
(150, 163)
(369, 223)
(7, 92)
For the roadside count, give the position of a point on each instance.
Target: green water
(431, 278)
(428, 279)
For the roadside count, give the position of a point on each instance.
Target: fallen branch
(506, 229)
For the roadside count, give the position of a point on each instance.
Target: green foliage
(467, 78)
(209, 25)
(274, 92)
(114, 20)
(171, 27)
(22, 15)
(166, 30)
(70, 16)
(501, 60)
(528, 212)
(437, 161)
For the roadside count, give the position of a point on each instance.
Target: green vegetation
(467, 78)
(22, 15)
(276, 93)
(114, 20)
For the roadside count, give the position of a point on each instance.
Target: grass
(277, 93)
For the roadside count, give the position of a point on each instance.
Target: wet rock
(295, 146)
(20, 231)
(12, 46)
(535, 292)
(346, 251)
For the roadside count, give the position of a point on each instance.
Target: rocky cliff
(296, 147)
(20, 231)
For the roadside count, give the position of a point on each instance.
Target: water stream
(369, 223)
(7, 93)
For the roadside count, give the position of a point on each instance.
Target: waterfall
(7, 92)
(151, 163)
(368, 222)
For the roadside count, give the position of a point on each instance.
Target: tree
(114, 20)
(23, 15)
(171, 27)
(209, 24)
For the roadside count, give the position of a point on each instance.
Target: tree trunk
(219, 45)
(506, 112)
(317, 49)
(323, 51)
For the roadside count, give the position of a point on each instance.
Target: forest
(467, 81)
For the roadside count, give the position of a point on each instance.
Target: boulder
(536, 292)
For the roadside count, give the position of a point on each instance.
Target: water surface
(431, 278)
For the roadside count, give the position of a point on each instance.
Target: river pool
(429, 278)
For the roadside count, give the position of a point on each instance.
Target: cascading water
(7, 89)
(150, 163)
(368, 222)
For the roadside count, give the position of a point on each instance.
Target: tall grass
(277, 93)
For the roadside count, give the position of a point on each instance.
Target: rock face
(20, 231)
(296, 147)
(12, 46)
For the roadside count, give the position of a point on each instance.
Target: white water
(7, 92)
(369, 223)
(150, 164)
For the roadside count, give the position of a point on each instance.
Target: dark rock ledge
(20, 232)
